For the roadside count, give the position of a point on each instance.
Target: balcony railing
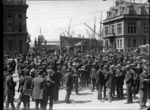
(110, 35)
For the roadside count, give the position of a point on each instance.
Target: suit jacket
(57, 77)
(21, 84)
(68, 79)
(93, 73)
(63, 71)
(129, 78)
(37, 87)
(9, 86)
(100, 77)
(110, 77)
(49, 85)
(143, 84)
(119, 77)
(27, 85)
(5, 73)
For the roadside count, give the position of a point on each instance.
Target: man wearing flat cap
(119, 77)
(37, 87)
(75, 78)
(10, 89)
(144, 85)
(69, 84)
(100, 82)
(20, 89)
(110, 77)
(27, 89)
(49, 89)
(129, 83)
(93, 74)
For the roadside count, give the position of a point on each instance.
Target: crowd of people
(41, 75)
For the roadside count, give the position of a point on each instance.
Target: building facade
(126, 26)
(14, 26)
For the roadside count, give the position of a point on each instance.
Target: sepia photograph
(76, 54)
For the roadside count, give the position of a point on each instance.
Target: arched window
(10, 45)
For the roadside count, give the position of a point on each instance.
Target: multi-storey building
(14, 26)
(126, 26)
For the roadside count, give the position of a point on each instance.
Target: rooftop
(128, 8)
(14, 1)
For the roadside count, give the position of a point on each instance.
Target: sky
(54, 16)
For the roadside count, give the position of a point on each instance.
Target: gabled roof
(128, 9)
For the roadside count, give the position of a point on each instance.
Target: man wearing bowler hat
(38, 90)
(10, 89)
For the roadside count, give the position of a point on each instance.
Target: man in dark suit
(110, 77)
(10, 89)
(20, 89)
(144, 85)
(63, 71)
(49, 89)
(119, 81)
(129, 84)
(100, 82)
(69, 84)
(75, 78)
(93, 76)
(27, 89)
(57, 77)
(37, 89)
(5, 73)
(88, 68)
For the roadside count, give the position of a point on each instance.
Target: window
(132, 28)
(19, 27)
(147, 10)
(112, 28)
(131, 10)
(106, 31)
(122, 10)
(10, 45)
(129, 43)
(120, 43)
(119, 28)
(19, 16)
(20, 46)
(9, 26)
(134, 42)
(106, 45)
(9, 16)
(116, 11)
(146, 28)
(144, 41)
(117, 43)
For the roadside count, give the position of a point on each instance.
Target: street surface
(86, 100)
